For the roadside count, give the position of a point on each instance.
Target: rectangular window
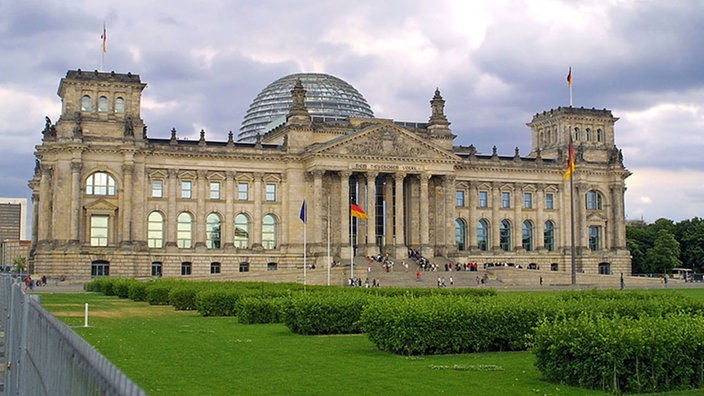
(483, 199)
(549, 201)
(528, 200)
(157, 189)
(594, 238)
(271, 192)
(186, 268)
(243, 191)
(244, 267)
(505, 199)
(459, 198)
(214, 268)
(186, 189)
(99, 230)
(214, 190)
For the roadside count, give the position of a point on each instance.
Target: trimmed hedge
(158, 294)
(334, 313)
(613, 354)
(259, 310)
(183, 298)
(138, 291)
(218, 302)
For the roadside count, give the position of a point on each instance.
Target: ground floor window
(100, 268)
(186, 268)
(554, 267)
(156, 269)
(271, 266)
(244, 267)
(604, 269)
(214, 268)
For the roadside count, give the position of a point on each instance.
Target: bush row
(439, 325)
(333, 313)
(613, 354)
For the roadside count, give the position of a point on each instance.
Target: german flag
(356, 211)
(570, 162)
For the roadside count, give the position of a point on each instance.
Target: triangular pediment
(386, 141)
(101, 204)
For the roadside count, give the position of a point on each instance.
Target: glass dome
(327, 97)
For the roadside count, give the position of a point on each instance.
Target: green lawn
(170, 352)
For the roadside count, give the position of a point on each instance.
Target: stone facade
(110, 200)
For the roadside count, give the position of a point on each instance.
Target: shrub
(183, 298)
(121, 287)
(335, 313)
(253, 310)
(649, 354)
(138, 291)
(158, 294)
(218, 302)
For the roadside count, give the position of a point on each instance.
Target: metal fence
(45, 357)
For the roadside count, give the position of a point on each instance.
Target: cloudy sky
(496, 62)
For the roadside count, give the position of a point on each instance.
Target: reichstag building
(110, 200)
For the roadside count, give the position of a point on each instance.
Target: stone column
(315, 210)
(228, 225)
(518, 202)
(539, 229)
(389, 235)
(201, 191)
(256, 236)
(371, 212)
(580, 218)
(495, 238)
(171, 214)
(126, 237)
(472, 198)
(424, 211)
(449, 226)
(44, 232)
(344, 211)
(618, 220)
(76, 200)
(399, 214)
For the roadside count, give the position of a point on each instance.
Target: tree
(664, 256)
(639, 239)
(690, 235)
(20, 264)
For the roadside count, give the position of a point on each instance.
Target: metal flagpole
(351, 248)
(329, 262)
(305, 254)
(573, 250)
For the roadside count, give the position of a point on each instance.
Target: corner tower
(99, 105)
(592, 132)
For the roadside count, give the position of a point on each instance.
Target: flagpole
(329, 263)
(573, 250)
(305, 254)
(103, 49)
(569, 83)
(351, 248)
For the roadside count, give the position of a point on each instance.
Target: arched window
(483, 235)
(184, 231)
(241, 231)
(594, 200)
(155, 230)
(269, 232)
(102, 104)
(505, 235)
(212, 231)
(460, 234)
(599, 135)
(119, 105)
(576, 134)
(588, 133)
(86, 103)
(549, 236)
(100, 183)
(527, 236)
